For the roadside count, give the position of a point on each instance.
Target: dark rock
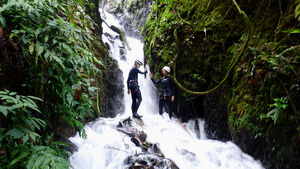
(152, 156)
(112, 90)
(216, 117)
(71, 146)
(119, 125)
(135, 141)
(122, 51)
(142, 162)
(107, 46)
(142, 136)
(127, 121)
(147, 161)
(123, 57)
(156, 150)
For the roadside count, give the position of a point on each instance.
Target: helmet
(167, 69)
(139, 62)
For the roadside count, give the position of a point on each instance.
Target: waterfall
(185, 144)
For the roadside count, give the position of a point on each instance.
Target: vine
(231, 67)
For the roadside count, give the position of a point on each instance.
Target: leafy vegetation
(280, 106)
(48, 51)
(20, 139)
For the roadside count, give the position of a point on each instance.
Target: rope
(231, 67)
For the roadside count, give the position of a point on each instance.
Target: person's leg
(161, 104)
(133, 105)
(139, 100)
(169, 106)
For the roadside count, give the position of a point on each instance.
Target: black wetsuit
(132, 85)
(166, 93)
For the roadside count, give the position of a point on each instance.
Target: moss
(208, 43)
(121, 33)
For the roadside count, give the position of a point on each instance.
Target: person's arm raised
(154, 81)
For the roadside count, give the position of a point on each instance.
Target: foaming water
(185, 144)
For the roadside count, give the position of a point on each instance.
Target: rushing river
(107, 148)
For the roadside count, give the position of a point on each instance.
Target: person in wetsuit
(166, 96)
(133, 88)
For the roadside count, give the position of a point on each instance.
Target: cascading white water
(107, 148)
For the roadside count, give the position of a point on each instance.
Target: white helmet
(167, 69)
(138, 62)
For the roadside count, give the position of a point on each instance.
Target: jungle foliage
(259, 42)
(47, 68)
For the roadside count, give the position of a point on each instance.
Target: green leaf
(7, 98)
(33, 107)
(97, 61)
(69, 98)
(35, 98)
(39, 48)
(3, 92)
(60, 143)
(38, 31)
(34, 123)
(75, 86)
(39, 161)
(33, 136)
(275, 117)
(31, 48)
(40, 122)
(12, 93)
(67, 48)
(3, 110)
(31, 161)
(263, 116)
(46, 38)
(25, 138)
(2, 21)
(22, 155)
(15, 133)
(17, 106)
(272, 112)
(292, 31)
(13, 35)
(58, 60)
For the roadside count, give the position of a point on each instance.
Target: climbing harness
(133, 85)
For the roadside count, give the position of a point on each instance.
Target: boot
(135, 115)
(170, 115)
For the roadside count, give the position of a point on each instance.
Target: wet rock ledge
(151, 156)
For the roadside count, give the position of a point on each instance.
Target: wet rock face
(131, 13)
(216, 117)
(113, 90)
(151, 156)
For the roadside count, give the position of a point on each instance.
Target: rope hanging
(231, 67)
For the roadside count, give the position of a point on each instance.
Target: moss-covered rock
(131, 13)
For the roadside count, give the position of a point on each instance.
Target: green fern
(56, 41)
(46, 157)
(49, 40)
(19, 110)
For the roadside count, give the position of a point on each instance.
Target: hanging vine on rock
(230, 68)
